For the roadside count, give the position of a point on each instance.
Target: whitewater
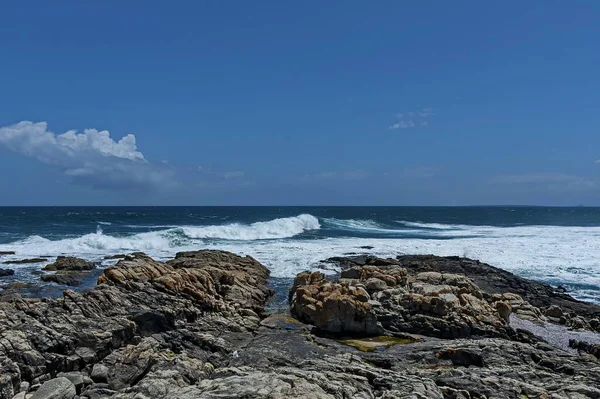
(558, 255)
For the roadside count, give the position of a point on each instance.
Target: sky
(278, 102)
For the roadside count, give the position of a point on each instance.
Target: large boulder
(333, 307)
(369, 299)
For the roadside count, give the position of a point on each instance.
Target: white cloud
(598, 161)
(402, 125)
(412, 119)
(91, 157)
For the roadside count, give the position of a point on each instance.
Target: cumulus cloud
(91, 158)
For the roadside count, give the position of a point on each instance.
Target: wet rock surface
(6, 272)
(68, 270)
(195, 327)
(69, 263)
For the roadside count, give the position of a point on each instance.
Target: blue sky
(299, 103)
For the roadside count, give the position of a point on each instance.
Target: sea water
(559, 246)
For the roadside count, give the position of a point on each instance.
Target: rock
(504, 310)
(25, 261)
(76, 378)
(332, 308)
(428, 303)
(70, 278)
(24, 387)
(70, 263)
(554, 311)
(7, 253)
(491, 280)
(97, 392)
(57, 388)
(6, 272)
(99, 373)
(196, 327)
(278, 321)
(375, 284)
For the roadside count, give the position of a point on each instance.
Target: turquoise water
(560, 246)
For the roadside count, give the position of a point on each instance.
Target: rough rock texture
(490, 279)
(69, 271)
(194, 327)
(58, 388)
(368, 300)
(70, 263)
(194, 300)
(332, 307)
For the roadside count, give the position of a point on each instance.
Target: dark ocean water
(560, 246)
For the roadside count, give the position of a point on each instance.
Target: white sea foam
(419, 229)
(359, 225)
(438, 226)
(277, 228)
(558, 255)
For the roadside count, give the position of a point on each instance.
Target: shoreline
(199, 326)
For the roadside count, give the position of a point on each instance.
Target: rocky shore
(196, 327)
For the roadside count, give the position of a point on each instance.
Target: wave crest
(276, 228)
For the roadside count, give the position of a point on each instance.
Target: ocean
(559, 246)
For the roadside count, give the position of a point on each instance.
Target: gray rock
(57, 388)
(24, 387)
(70, 263)
(554, 311)
(70, 278)
(195, 327)
(6, 272)
(99, 373)
(76, 378)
